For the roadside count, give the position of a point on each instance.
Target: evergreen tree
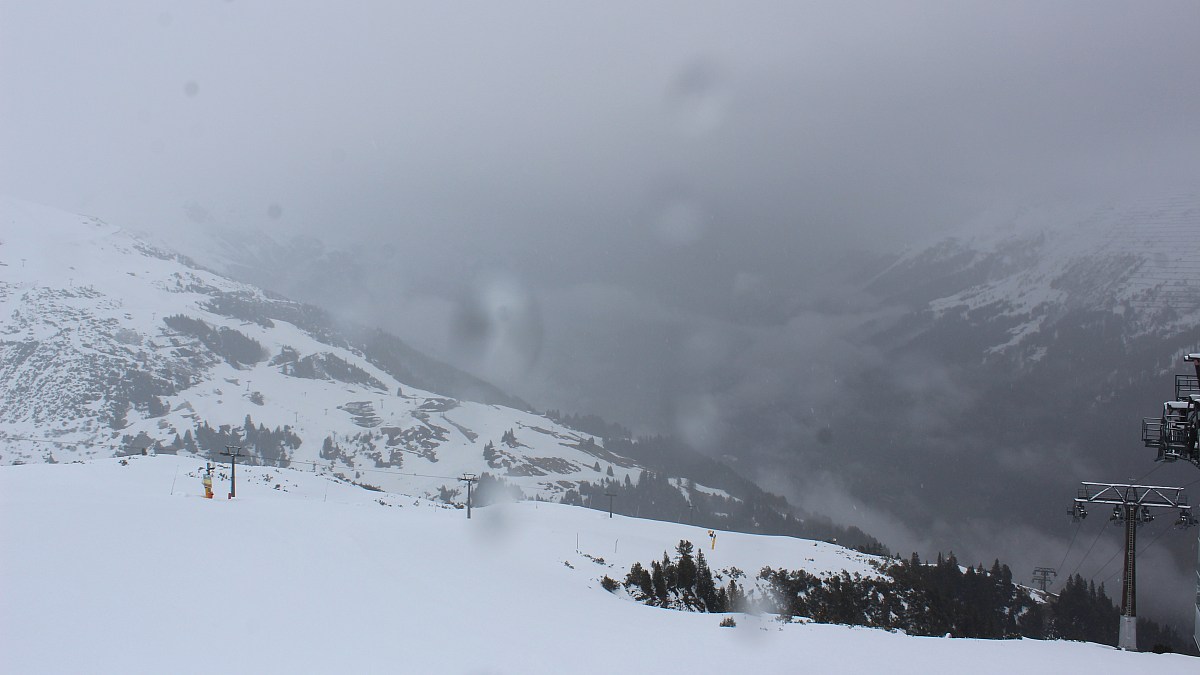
(685, 580)
(658, 579)
(734, 598)
(706, 588)
(639, 582)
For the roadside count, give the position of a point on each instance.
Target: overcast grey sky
(654, 193)
(592, 142)
(699, 157)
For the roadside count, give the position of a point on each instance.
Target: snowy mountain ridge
(1138, 260)
(109, 345)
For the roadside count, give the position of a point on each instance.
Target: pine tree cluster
(920, 599)
(256, 441)
(685, 582)
(236, 348)
(590, 424)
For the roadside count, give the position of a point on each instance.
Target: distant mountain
(1056, 318)
(1016, 280)
(109, 345)
(1012, 359)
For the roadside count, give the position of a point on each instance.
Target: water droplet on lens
(697, 98)
(498, 324)
(680, 222)
(825, 435)
(197, 213)
(698, 421)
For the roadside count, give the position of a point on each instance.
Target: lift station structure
(1174, 435)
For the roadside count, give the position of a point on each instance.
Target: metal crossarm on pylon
(1041, 576)
(1132, 506)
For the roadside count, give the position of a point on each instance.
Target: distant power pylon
(232, 452)
(1041, 576)
(469, 479)
(610, 498)
(1131, 506)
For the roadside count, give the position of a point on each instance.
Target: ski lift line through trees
(1147, 547)
(1113, 557)
(1087, 553)
(1078, 527)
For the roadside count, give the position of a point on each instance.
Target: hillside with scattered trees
(930, 599)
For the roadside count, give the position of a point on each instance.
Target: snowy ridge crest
(109, 345)
(1138, 261)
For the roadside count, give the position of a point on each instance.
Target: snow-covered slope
(120, 566)
(1139, 260)
(109, 345)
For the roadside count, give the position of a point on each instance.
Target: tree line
(684, 582)
(930, 599)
